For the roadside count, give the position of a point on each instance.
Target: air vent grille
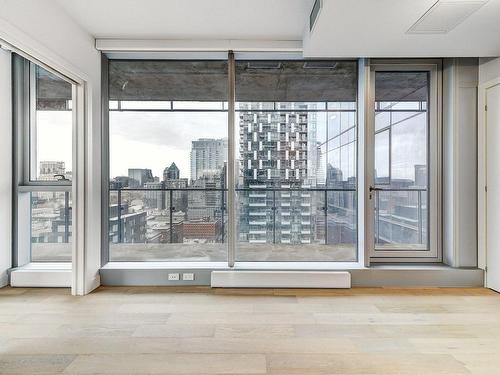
(320, 65)
(444, 16)
(264, 65)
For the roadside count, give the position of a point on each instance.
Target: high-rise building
(154, 198)
(171, 173)
(274, 153)
(206, 205)
(139, 176)
(207, 154)
(179, 197)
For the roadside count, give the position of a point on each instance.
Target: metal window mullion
(33, 188)
(29, 142)
(231, 169)
(390, 150)
(119, 216)
(66, 216)
(171, 209)
(105, 192)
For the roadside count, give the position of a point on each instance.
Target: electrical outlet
(188, 276)
(173, 276)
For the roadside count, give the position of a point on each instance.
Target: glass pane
(401, 220)
(341, 224)
(50, 226)
(168, 167)
(51, 127)
(401, 160)
(296, 145)
(382, 158)
(146, 226)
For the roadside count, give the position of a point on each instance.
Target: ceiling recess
(313, 17)
(444, 16)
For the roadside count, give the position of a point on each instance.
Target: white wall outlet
(188, 276)
(173, 276)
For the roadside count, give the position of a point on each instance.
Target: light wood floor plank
(204, 331)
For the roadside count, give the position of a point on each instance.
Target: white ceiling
(191, 19)
(345, 28)
(377, 28)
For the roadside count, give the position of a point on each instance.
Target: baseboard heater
(280, 279)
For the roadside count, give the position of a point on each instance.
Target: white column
(5, 166)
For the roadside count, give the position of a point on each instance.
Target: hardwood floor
(160, 330)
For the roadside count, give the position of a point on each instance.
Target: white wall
(489, 68)
(460, 81)
(5, 166)
(44, 30)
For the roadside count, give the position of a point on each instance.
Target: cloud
(156, 139)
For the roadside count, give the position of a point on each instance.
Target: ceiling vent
(444, 16)
(320, 65)
(313, 17)
(264, 65)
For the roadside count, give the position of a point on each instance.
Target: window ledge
(47, 275)
(238, 265)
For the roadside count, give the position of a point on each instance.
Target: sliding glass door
(404, 185)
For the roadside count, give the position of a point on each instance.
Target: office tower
(179, 197)
(207, 154)
(139, 176)
(171, 173)
(274, 153)
(154, 198)
(206, 205)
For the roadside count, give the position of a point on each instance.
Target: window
(168, 145)
(297, 128)
(405, 148)
(43, 128)
(294, 194)
(51, 122)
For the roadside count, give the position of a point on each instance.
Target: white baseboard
(44, 275)
(280, 279)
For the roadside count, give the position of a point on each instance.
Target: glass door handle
(373, 188)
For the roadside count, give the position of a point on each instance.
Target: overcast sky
(156, 139)
(54, 132)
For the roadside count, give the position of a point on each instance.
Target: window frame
(30, 128)
(24, 117)
(232, 174)
(434, 252)
(105, 143)
(364, 164)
